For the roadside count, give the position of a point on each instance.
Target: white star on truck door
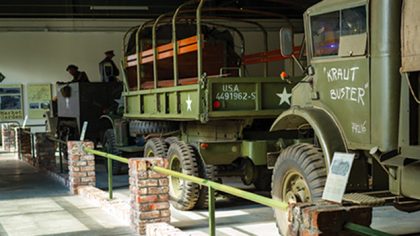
(284, 97)
(189, 102)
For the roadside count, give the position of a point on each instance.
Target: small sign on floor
(338, 176)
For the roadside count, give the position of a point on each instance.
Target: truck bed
(210, 99)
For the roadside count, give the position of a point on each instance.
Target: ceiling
(130, 9)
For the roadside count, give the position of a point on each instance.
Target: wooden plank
(131, 63)
(183, 50)
(187, 49)
(165, 47)
(187, 41)
(132, 57)
(169, 46)
(169, 83)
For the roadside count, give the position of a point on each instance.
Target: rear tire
(108, 143)
(155, 147)
(299, 176)
(182, 158)
(171, 140)
(206, 172)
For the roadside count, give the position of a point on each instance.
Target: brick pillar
(23, 140)
(326, 218)
(8, 137)
(81, 165)
(45, 152)
(149, 193)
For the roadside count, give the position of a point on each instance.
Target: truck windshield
(326, 34)
(327, 29)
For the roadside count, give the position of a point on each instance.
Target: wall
(39, 57)
(38, 51)
(35, 56)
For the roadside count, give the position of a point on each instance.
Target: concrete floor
(238, 217)
(235, 216)
(33, 204)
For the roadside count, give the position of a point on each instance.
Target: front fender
(329, 136)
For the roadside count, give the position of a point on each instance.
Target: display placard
(39, 98)
(338, 176)
(11, 102)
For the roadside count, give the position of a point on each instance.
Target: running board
(363, 199)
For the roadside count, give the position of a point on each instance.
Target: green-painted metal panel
(343, 86)
(162, 103)
(172, 103)
(395, 183)
(133, 104)
(276, 95)
(235, 96)
(240, 98)
(256, 97)
(243, 114)
(189, 103)
(256, 151)
(178, 117)
(410, 175)
(149, 104)
(386, 78)
(220, 153)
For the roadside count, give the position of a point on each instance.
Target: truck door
(338, 53)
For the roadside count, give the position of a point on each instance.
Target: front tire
(299, 176)
(182, 158)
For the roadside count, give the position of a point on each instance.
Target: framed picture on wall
(39, 99)
(11, 102)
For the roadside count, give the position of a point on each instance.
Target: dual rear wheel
(184, 158)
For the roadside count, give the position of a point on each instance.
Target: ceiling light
(120, 8)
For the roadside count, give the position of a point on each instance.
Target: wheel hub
(248, 173)
(150, 153)
(295, 188)
(175, 183)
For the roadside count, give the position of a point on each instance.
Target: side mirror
(286, 42)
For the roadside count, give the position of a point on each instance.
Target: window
(353, 21)
(326, 34)
(328, 28)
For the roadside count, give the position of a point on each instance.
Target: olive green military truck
(189, 97)
(360, 96)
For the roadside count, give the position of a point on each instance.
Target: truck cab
(359, 96)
